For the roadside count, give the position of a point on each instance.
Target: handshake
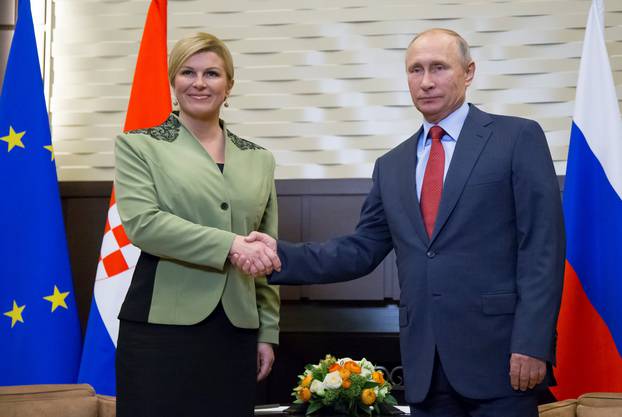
(255, 254)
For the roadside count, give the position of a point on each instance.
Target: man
(471, 205)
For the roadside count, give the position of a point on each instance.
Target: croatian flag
(590, 322)
(149, 105)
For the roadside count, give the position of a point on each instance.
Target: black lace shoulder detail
(243, 144)
(167, 131)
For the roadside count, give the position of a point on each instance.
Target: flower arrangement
(345, 385)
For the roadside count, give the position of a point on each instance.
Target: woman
(194, 330)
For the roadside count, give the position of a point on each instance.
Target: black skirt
(208, 369)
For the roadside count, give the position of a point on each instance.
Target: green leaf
(351, 404)
(370, 384)
(390, 400)
(365, 409)
(313, 407)
(341, 408)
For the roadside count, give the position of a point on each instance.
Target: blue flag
(39, 328)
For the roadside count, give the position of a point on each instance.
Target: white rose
(365, 372)
(342, 361)
(365, 364)
(317, 387)
(332, 380)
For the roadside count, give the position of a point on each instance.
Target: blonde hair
(463, 46)
(199, 42)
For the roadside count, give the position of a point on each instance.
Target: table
(275, 410)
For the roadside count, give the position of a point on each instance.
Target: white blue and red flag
(149, 105)
(590, 322)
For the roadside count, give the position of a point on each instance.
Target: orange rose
(305, 394)
(352, 367)
(344, 373)
(334, 367)
(378, 377)
(346, 384)
(368, 396)
(307, 380)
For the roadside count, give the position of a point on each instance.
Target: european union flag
(39, 328)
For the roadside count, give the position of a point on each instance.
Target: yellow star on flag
(15, 314)
(57, 299)
(51, 149)
(14, 139)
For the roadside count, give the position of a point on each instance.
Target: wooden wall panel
(336, 216)
(309, 210)
(290, 229)
(85, 206)
(312, 323)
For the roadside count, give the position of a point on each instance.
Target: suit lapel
(408, 187)
(473, 138)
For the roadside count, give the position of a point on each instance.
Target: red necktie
(432, 187)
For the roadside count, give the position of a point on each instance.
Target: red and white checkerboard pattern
(117, 252)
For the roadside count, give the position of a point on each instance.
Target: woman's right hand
(253, 258)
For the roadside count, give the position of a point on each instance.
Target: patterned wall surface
(7, 25)
(322, 84)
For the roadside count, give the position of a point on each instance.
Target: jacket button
(431, 254)
(224, 206)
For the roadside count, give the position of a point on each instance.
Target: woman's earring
(175, 102)
(226, 103)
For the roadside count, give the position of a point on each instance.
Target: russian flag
(149, 105)
(590, 322)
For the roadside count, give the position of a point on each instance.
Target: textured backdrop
(320, 83)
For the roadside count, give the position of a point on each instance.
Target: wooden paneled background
(308, 211)
(356, 318)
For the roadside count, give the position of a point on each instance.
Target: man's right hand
(253, 257)
(526, 371)
(266, 239)
(247, 265)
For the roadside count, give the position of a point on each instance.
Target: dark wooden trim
(291, 187)
(341, 186)
(309, 209)
(85, 189)
(354, 317)
(300, 187)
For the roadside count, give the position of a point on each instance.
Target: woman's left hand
(265, 359)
